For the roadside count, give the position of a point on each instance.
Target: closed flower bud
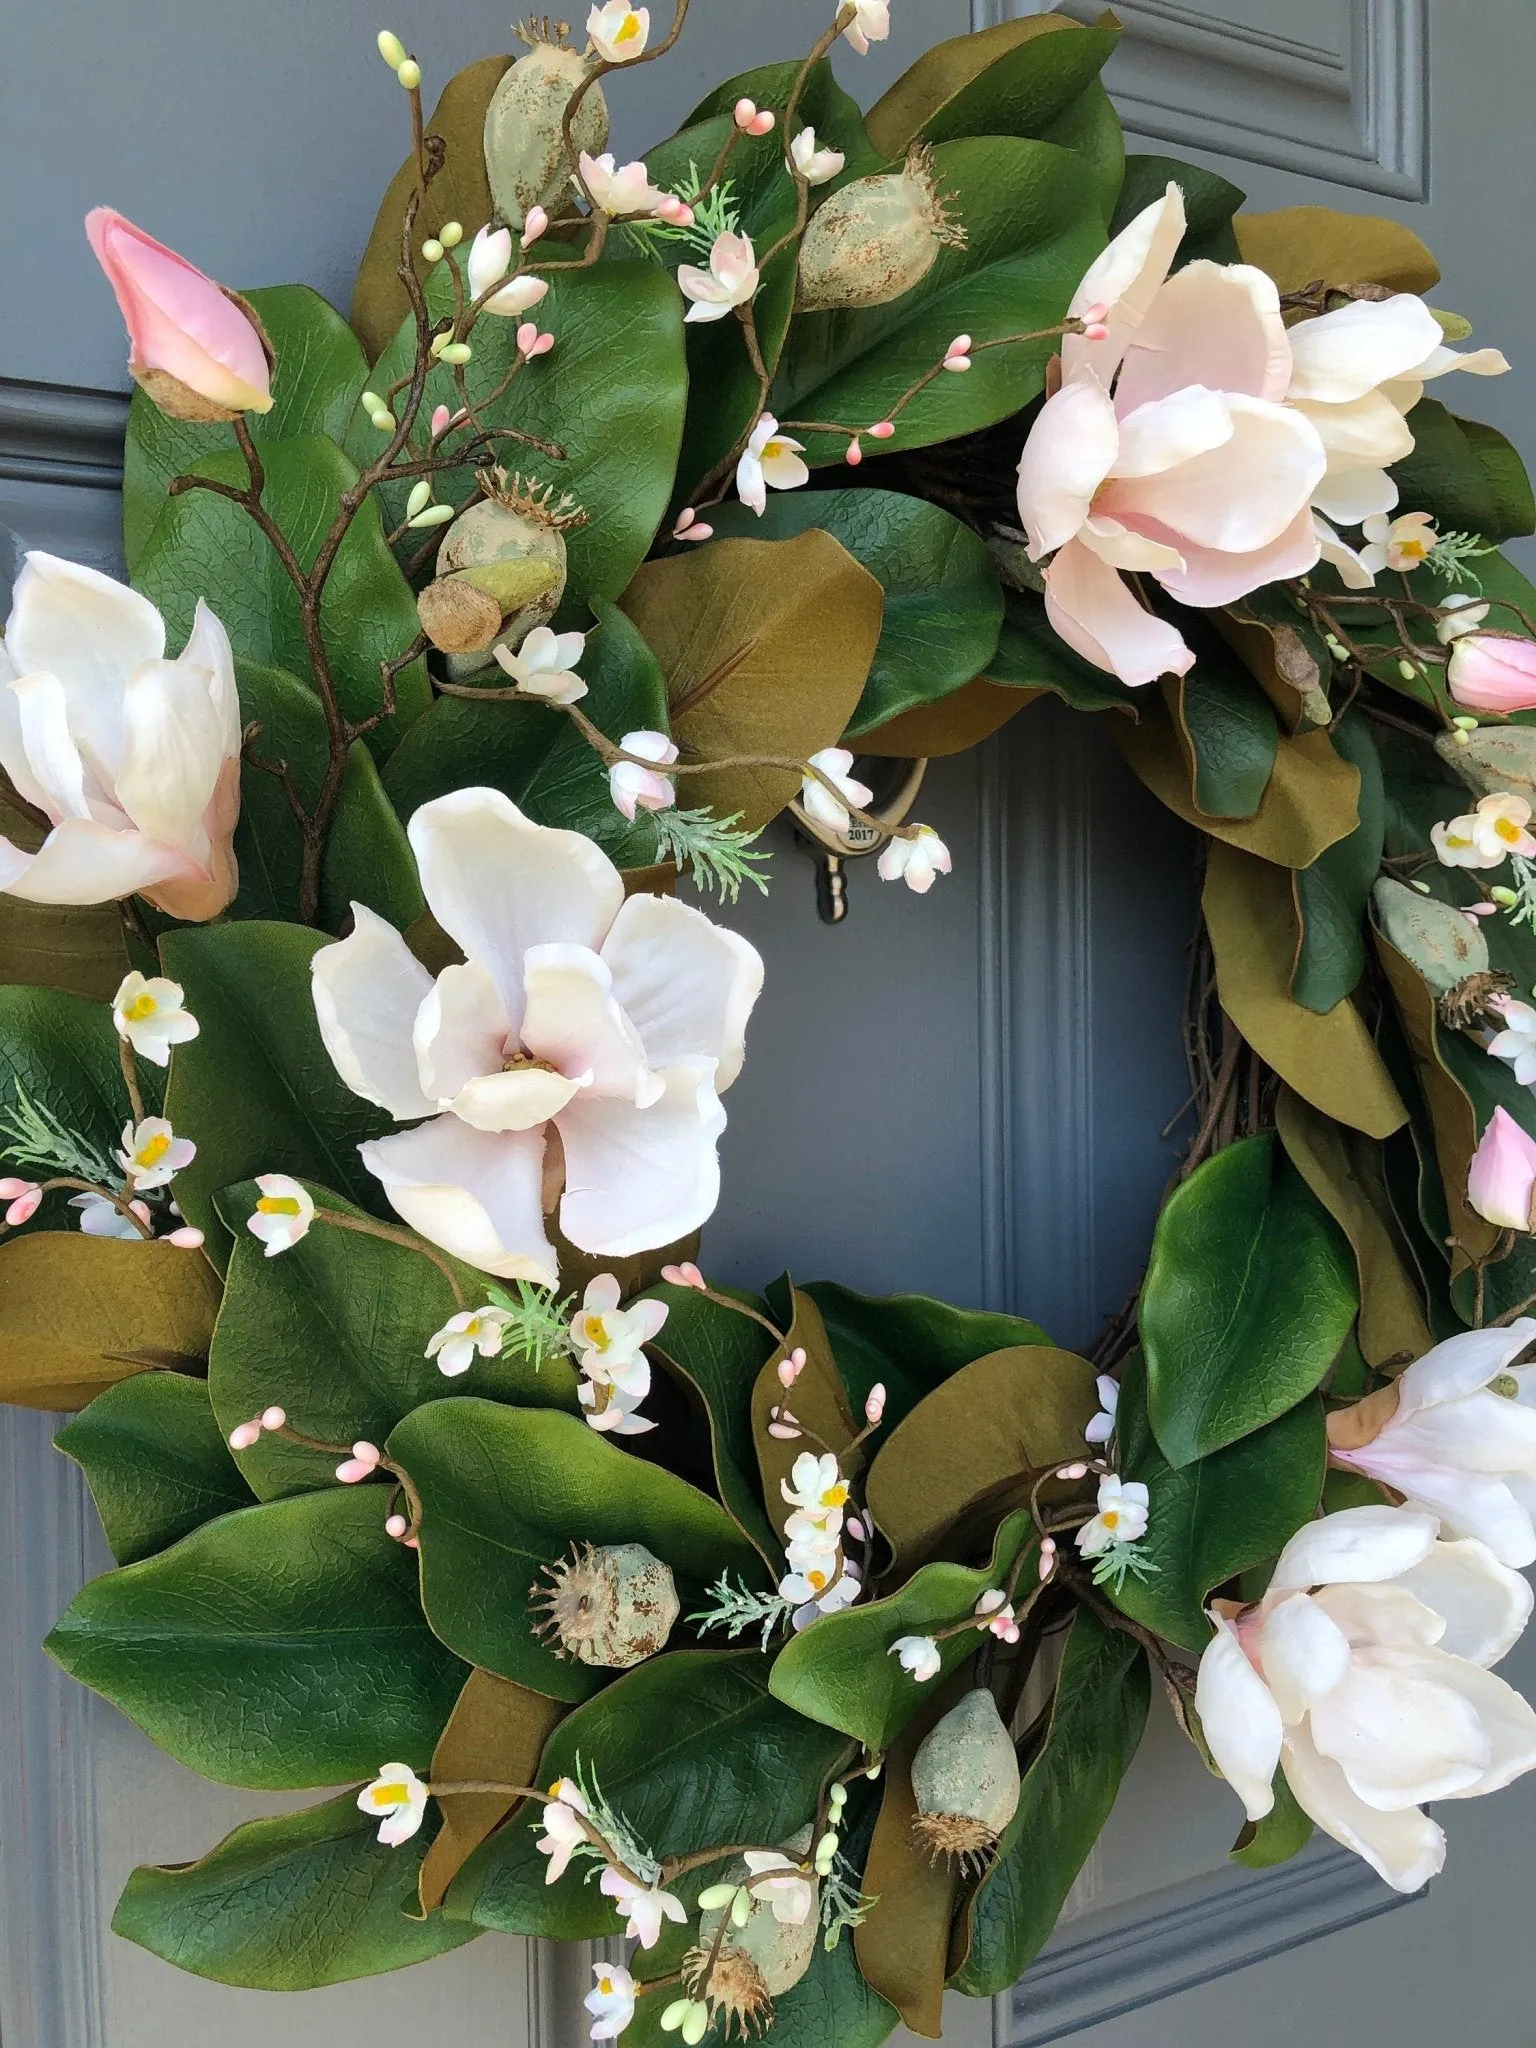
(965, 1780)
(1493, 671)
(520, 533)
(526, 159)
(613, 1606)
(875, 239)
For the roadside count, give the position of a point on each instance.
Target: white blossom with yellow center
(397, 1799)
(619, 32)
(472, 1330)
(152, 1152)
(150, 1014)
(1482, 837)
(609, 1341)
(1122, 1516)
(284, 1211)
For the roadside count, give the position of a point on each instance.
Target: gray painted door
(961, 1094)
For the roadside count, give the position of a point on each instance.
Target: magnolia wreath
(360, 1067)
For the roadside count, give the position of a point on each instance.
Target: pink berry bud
(1093, 315)
(366, 1453)
(855, 1528)
(960, 346)
(542, 346)
(783, 1432)
(745, 115)
(1073, 1472)
(699, 531)
(957, 363)
(441, 419)
(882, 430)
(527, 335)
(11, 1187)
(411, 1543)
(874, 1407)
(25, 1206)
(351, 1470)
(1047, 1558)
(855, 454)
(243, 1435)
(396, 1526)
(787, 1373)
(534, 226)
(186, 1239)
(761, 124)
(685, 1275)
(274, 1418)
(1096, 331)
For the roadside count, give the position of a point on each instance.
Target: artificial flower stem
(128, 1063)
(367, 1226)
(89, 1187)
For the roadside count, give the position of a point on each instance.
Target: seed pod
(1443, 945)
(875, 239)
(1494, 760)
(757, 1963)
(519, 532)
(462, 613)
(965, 1779)
(526, 158)
(613, 1606)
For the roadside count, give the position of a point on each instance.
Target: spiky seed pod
(1435, 938)
(876, 238)
(965, 1779)
(1475, 999)
(520, 531)
(462, 613)
(615, 1605)
(1495, 760)
(756, 1964)
(526, 159)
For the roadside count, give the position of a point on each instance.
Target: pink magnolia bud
(874, 1407)
(960, 346)
(396, 1526)
(761, 123)
(784, 1433)
(855, 453)
(1493, 672)
(882, 430)
(1073, 1472)
(534, 226)
(22, 1199)
(244, 1434)
(787, 1374)
(685, 1275)
(675, 210)
(855, 1527)
(1047, 1558)
(745, 114)
(1501, 1180)
(442, 419)
(368, 1453)
(1093, 315)
(274, 1418)
(187, 1239)
(351, 1470)
(198, 350)
(957, 363)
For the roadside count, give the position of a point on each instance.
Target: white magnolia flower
(1517, 1041)
(617, 1022)
(610, 1341)
(818, 802)
(1363, 1674)
(622, 193)
(472, 1330)
(816, 1592)
(730, 281)
(563, 1832)
(1122, 1516)
(134, 759)
(815, 1484)
(619, 31)
(545, 665)
(152, 1152)
(284, 1211)
(770, 459)
(915, 861)
(490, 258)
(1455, 1435)
(149, 1014)
(1483, 836)
(611, 2001)
(633, 787)
(398, 1800)
(918, 1655)
(871, 23)
(816, 165)
(792, 1896)
(620, 1413)
(100, 1217)
(1102, 1427)
(642, 1907)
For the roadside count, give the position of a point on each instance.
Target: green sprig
(715, 855)
(540, 1321)
(34, 1136)
(738, 1608)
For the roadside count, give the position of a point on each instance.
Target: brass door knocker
(895, 784)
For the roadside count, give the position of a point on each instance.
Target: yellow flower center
(1110, 1518)
(630, 29)
(151, 1153)
(772, 450)
(605, 1985)
(277, 1205)
(815, 1580)
(597, 1333)
(140, 1008)
(1457, 839)
(1507, 829)
(389, 1795)
(472, 1327)
(835, 1496)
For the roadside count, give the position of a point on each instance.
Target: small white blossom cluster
(821, 1578)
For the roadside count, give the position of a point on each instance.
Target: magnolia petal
(519, 1100)
(1123, 548)
(83, 862)
(1461, 1365)
(1351, 496)
(367, 990)
(1099, 617)
(1477, 362)
(1398, 1732)
(572, 1020)
(1356, 1544)
(1480, 1432)
(498, 884)
(1507, 1720)
(1485, 1604)
(1341, 355)
(1352, 572)
(48, 748)
(1406, 1849)
(1171, 430)
(1216, 324)
(639, 1178)
(1369, 431)
(1208, 576)
(1240, 1721)
(477, 1194)
(13, 752)
(1237, 497)
(88, 630)
(1125, 278)
(1070, 450)
(1466, 1503)
(687, 985)
(1304, 1655)
(208, 647)
(173, 750)
(1381, 1614)
(461, 1030)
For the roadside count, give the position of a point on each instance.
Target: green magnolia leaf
(1217, 1517)
(315, 386)
(841, 1671)
(73, 946)
(206, 546)
(289, 1903)
(943, 602)
(534, 754)
(507, 1491)
(156, 1462)
(1030, 656)
(720, 1354)
(610, 395)
(368, 858)
(1090, 128)
(277, 1648)
(692, 1751)
(1229, 724)
(908, 1343)
(1467, 476)
(336, 1330)
(1300, 244)
(1015, 79)
(256, 1090)
(1097, 1718)
(1332, 895)
(1283, 1832)
(1210, 203)
(1249, 1294)
(1033, 226)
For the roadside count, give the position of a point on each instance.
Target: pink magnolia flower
(195, 348)
(1493, 672)
(1501, 1180)
(630, 785)
(1167, 450)
(730, 281)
